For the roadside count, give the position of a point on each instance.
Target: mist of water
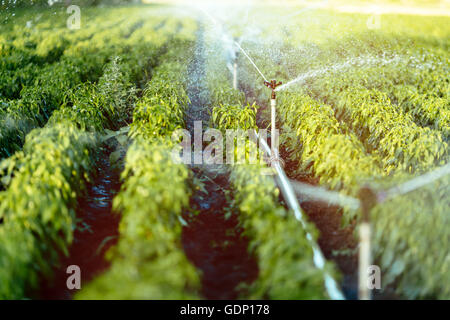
(227, 38)
(348, 64)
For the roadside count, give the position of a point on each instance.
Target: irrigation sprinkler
(414, 184)
(368, 199)
(273, 84)
(235, 75)
(235, 66)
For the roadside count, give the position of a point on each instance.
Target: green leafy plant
(38, 205)
(149, 262)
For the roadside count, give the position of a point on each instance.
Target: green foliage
(390, 133)
(161, 110)
(428, 109)
(234, 117)
(117, 92)
(323, 147)
(44, 3)
(285, 257)
(223, 94)
(149, 262)
(107, 104)
(372, 106)
(38, 205)
(13, 128)
(41, 183)
(70, 83)
(409, 241)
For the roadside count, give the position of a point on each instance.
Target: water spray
(273, 104)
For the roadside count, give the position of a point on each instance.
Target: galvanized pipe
(273, 135)
(288, 193)
(235, 75)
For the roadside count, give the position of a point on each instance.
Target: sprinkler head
(272, 85)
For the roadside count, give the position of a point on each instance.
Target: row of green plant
(148, 261)
(229, 109)
(24, 52)
(364, 76)
(322, 147)
(400, 246)
(394, 104)
(37, 225)
(36, 4)
(349, 55)
(427, 109)
(415, 82)
(78, 70)
(389, 133)
(38, 206)
(104, 34)
(399, 99)
(161, 109)
(410, 237)
(279, 242)
(47, 94)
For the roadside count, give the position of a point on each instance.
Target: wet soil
(213, 239)
(95, 233)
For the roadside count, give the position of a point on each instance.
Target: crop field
(116, 161)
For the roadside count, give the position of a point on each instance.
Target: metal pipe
(364, 261)
(368, 199)
(288, 193)
(235, 75)
(273, 84)
(273, 135)
(308, 192)
(414, 184)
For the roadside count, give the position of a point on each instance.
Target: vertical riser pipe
(364, 261)
(273, 136)
(235, 76)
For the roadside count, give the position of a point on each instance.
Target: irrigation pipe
(367, 200)
(321, 194)
(413, 184)
(309, 192)
(288, 193)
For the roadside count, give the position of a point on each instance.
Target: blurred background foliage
(10, 4)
